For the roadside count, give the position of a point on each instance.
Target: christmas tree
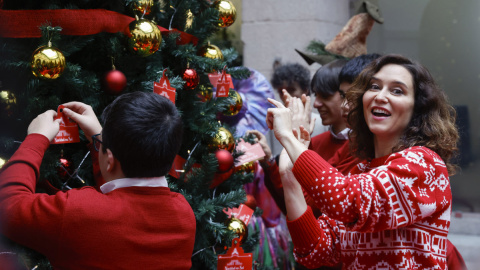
(52, 52)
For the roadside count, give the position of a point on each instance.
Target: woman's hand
(279, 120)
(303, 136)
(302, 112)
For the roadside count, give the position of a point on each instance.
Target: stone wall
(273, 29)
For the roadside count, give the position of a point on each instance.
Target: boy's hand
(45, 125)
(85, 117)
(262, 140)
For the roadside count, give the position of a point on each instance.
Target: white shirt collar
(134, 182)
(342, 135)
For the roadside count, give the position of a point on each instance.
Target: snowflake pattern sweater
(391, 213)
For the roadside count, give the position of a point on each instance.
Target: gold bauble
(2, 162)
(237, 226)
(210, 51)
(226, 12)
(205, 93)
(47, 62)
(144, 37)
(223, 139)
(8, 103)
(235, 108)
(248, 167)
(142, 7)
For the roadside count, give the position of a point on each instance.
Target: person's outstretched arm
(30, 219)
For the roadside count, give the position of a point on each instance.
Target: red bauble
(225, 160)
(65, 169)
(191, 78)
(114, 82)
(251, 202)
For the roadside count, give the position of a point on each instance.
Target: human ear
(111, 161)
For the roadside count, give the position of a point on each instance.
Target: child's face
(329, 108)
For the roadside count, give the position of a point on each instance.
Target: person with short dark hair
(328, 101)
(143, 132)
(135, 221)
(355, 65)
(294, 78)
(393, 209)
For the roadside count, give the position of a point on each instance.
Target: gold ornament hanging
(142, 7)
(47, 62)
(226, 12)
(210, 51)
(237, 226)
(144, 37)
(237, 106)
(2, 161)
(223, 139)
(205, 93)
(248, 167)
(8, 103)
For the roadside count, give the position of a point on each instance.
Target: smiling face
(388, 104)
(330, 110)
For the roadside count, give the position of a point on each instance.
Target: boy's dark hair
(144, 132)
(290, 74)
(325, 81)
(355, 65)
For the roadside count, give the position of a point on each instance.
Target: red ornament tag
(215, 77)
(243, 212)
(223, 85)
(68, 132)
(235, 258)
(163, 88)
(251, 152)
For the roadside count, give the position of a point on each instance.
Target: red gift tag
(223, 84)
(68, 132)
(235, 258)
(243, 212)
(215, 77)
(163, 88)
(251, 152)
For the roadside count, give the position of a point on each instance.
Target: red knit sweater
(127, 228)
(391, 213)
(343, 160)
(326, 145)
(323, 144)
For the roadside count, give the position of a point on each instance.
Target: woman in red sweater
(392, 211)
